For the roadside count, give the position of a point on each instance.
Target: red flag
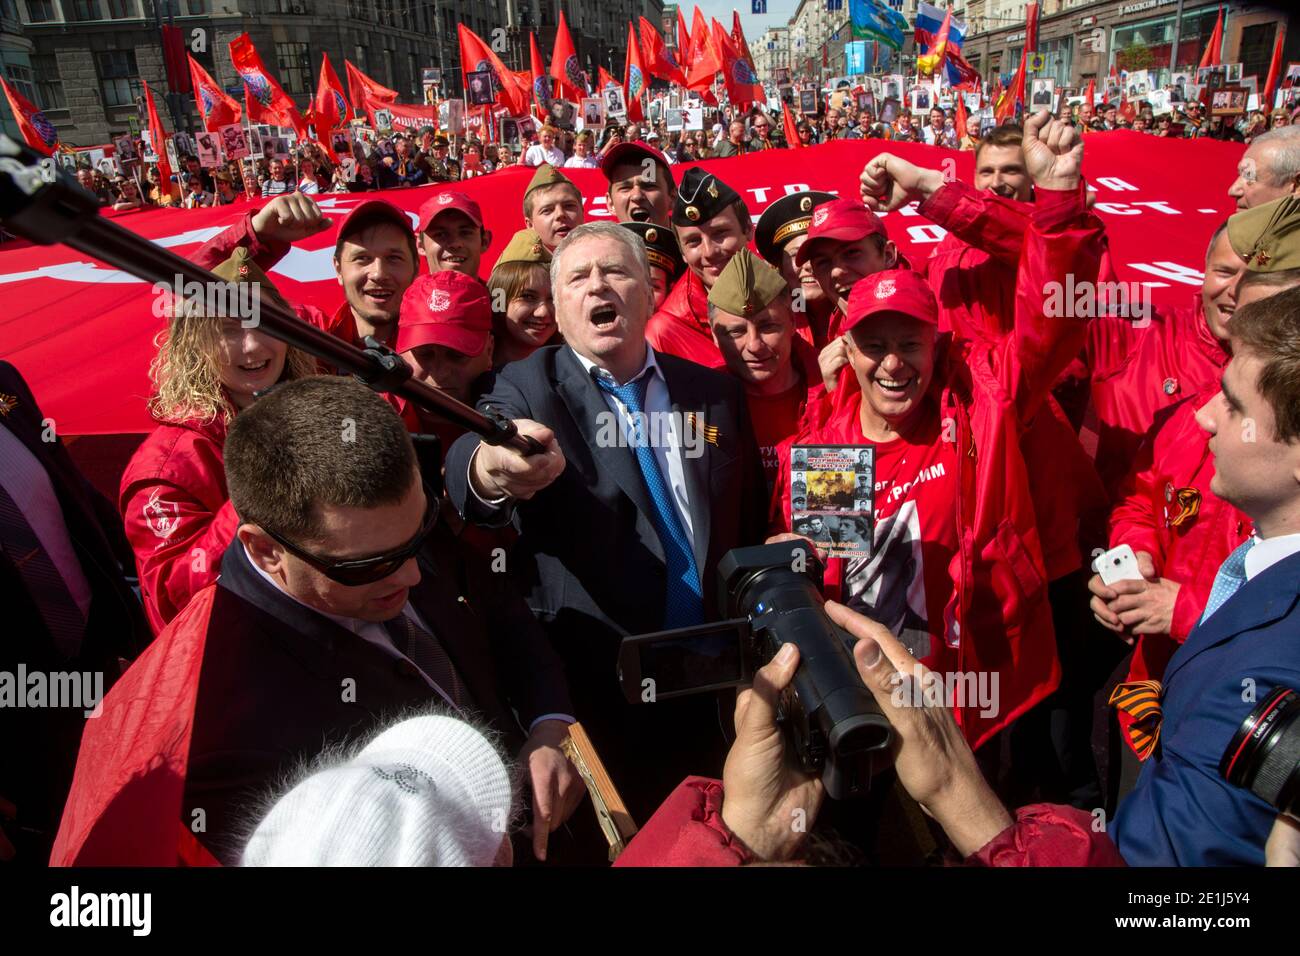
(659, 59)
(604, 79)
(706, 61)
(1031, 28)
(1274, 70)
(932, 59)
(634, 77)
(542, 83)
(158, 140)
(959, 121)
(790, 128)
(743, 87)
(329, 109)
(174, 56)
(738, 40)
(564, 65)
(363, 90)
(476, 56)
(125, 805)
(215, 107)
(264, 99)
(685, 50)
(1013, 96)
(1214, 47)
(1090, 94)
(39, 132)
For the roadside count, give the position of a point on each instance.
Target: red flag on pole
(959, 121)
(1090, 94)
(1012, 96)
(634, 77)
(604, 79)
(564, 65)
(659, 59)
(790, 128)
(706, 61)
(1212, 49)
(743, 87)
(364, 91)
(265, 100)
(476, 56)
(329, 109)
(174, 56)
(1274, 70)
(158, 140)
(738, 38)
(1031, 28)
(685, 49)
(216, 108)
(39, 132)
(541, 81)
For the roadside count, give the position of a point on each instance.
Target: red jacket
(973, 274)
(177, 514)
(983, 395)
(1139, 369)
(688, 830)
(1176, 456)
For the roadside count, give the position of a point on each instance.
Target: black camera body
(772, 594)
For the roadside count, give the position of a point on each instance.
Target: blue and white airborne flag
(873, 20)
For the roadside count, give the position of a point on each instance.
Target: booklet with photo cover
(832, 494)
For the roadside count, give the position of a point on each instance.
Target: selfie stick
(45, 205)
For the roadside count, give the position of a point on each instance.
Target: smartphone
(1117, 564)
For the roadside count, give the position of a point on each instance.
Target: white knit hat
(430, 791)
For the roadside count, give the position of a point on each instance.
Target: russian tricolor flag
(929, 19)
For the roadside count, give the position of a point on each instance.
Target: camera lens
(1264, 754)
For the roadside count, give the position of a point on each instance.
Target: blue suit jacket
(1182, 813)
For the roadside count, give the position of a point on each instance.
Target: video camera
(772, 594)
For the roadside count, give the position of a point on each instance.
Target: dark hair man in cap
(663, 254)
(345, 598)
(670, 505)
(712, 225)
(451, 234)
(442, 168)
(906, 379)
(641, 187)
(374, 257)
(552, 205)
(753, 323)
(778, 234)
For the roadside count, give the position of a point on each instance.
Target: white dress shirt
(538, 154)
(664, 427)
(28, 484)
(1269, 551)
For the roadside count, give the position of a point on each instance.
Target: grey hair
(594, 229)
(1285, 163)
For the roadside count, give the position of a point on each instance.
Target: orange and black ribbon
(1189, 506)
(1140, 699)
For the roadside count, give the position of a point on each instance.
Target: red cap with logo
(633, 152)
(844, 220)
(893, 290)
(444, 201)
(446, 308)
(369, 213)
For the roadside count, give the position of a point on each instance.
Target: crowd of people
(444, 612)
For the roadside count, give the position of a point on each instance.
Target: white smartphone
(1117, 564)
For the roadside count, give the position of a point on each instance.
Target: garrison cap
(1268, 236)
(525, 246)
(746, 286)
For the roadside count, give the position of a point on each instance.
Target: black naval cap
(700, 197)
(660, 247)
(784, 220)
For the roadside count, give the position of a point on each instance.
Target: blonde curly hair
(186, 373)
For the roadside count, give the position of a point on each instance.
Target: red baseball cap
(436, 205)
(446, 308)
(892, 290)
(844, 220)
(632, 152)
(369, 213)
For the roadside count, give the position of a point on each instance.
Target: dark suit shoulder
(714, 381)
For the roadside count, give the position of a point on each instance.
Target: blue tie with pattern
(1231, 576)
(683, 602)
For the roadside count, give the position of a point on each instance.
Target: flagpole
(1178, 29)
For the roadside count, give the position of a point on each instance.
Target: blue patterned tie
(1231, 576)
(683, 602)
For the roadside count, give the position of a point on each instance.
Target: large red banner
(82, 333)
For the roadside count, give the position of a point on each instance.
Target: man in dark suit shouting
(650, 474)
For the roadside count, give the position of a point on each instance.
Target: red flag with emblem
(364, 91)
(329, 109)
(659, 59)
(743, 87)
(39, 132)
(565, 68)
(158, 140)
(738, 39)
(216, 107)
(706, 61)
(475, 56)
(265, 101)
(634, 77)
(541, 81)
(790, 128)
(604, 79)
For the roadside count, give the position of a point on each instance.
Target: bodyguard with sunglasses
(345, 599)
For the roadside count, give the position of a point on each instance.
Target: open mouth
(381, 296)
(895, 387)
(254, 367)
(604, 316)
(638, 214)
(453, 260)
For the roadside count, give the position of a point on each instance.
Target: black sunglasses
(354, 572)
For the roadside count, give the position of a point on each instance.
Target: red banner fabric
(82, 333)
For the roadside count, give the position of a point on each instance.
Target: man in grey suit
(650, 474)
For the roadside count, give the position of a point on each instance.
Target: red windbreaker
(1173, 470)
(983, 395)
(1139, 369)
(177, 514)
